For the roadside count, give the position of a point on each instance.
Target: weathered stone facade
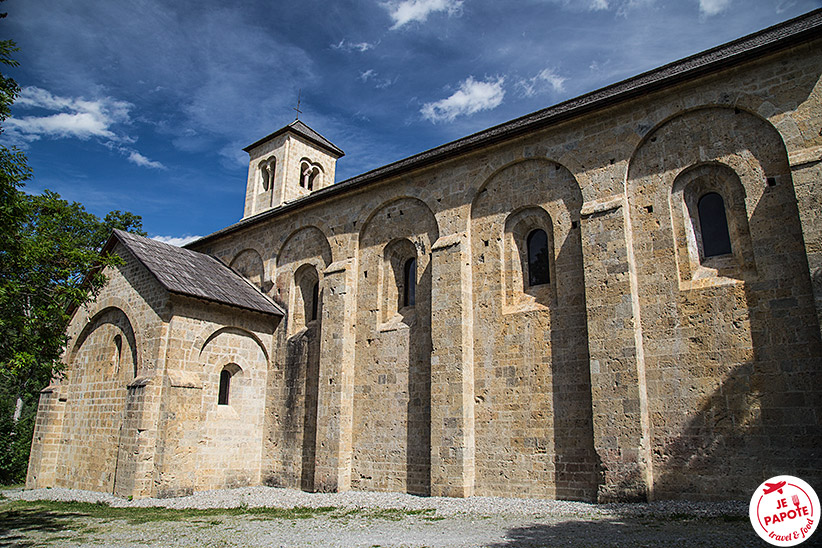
(644, 367)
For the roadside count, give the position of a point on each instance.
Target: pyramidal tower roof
(300, 128)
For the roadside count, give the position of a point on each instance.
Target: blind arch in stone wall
(300, 263)
(530, 350)
(717, 370)
(222, 442)
(101, 364)
(249, 264)
(392, 391)
(307, 244)
(204, 340)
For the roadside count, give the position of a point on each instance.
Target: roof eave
(278, 310)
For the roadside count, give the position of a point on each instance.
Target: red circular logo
(784, 511)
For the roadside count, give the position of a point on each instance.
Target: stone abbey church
(615, 298)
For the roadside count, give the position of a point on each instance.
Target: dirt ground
(72, 524)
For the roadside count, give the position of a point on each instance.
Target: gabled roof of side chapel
(772, 39)
(186, 272)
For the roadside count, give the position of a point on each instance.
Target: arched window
(713, 225)
(118, 353)
(409, 296)
(225, 384)
(308, 174)
(538, 270)
(306, 296)
(315, 300)
(267, 174)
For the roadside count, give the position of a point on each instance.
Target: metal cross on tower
(299, 94)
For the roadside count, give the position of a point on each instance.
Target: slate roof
(301, 129)
(783, 35)
(194, 274)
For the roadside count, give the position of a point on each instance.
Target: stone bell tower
(288, 164)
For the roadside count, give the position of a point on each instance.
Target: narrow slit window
(118, 353)
(315, 299)
(225, 383)
(713, 224)
(538, 271)
(410, 283)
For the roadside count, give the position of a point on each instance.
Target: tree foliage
(48, 250)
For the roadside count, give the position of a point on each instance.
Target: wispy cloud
(136, 158)
(595, 5)
(74, 117)
(546, 80)
(362, 47)
(176, 240)
(408, 11)
(371, 75)
(784, 6)
(584, 5)
(622, 7)
(471, 97)
(713, 7)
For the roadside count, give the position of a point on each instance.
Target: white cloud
(75, 117)
(408, 11)
(546, 79)
(379, 83)
(199, 87)
(713, 7)
(362, 47)
(179, 241)
(584, 5)
(622, 7)
(136, 158)
(471, 97)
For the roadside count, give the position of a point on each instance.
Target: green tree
(49, 253)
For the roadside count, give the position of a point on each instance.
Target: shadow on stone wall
(418, 424)
(299, 422)
(577, 465)
(764, 417)
(296, 355)
(310, 401)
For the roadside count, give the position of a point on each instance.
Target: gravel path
(361, 520)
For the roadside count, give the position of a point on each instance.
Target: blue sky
(145, 105)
